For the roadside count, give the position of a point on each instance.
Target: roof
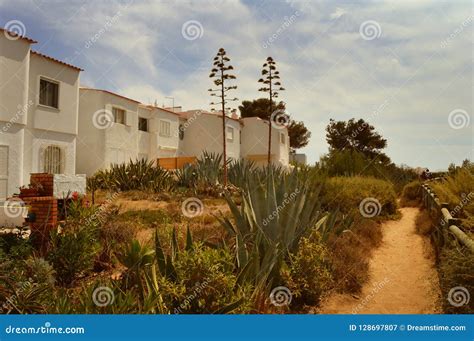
(188, 113)
(56, 60)
(151, 107)
(110, 93)
(17, 36)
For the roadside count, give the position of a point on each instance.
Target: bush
(134, 175)
(411, 194)
(13, 246)
(75, 246)
(205, 283)
(40, 271)
(350, 251)
(347, 193)
(458, 191)
(456, 269)
(310, 274)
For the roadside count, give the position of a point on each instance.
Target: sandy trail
(403, 279)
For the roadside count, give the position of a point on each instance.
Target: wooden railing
(440, 212)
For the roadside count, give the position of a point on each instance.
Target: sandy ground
(403, 279)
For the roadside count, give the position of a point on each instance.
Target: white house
(202, 131)
(38, 113)
(255, 142)
(114, 129)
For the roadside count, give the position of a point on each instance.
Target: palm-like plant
(220, 73)
(271, 84)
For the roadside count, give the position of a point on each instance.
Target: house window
(230, 134)
(52, 160)
(181, 132)
(142, 124)
(165, 128)
(282, 138)
(119, 115)
(49, 93)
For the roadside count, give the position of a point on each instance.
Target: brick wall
(45, 180)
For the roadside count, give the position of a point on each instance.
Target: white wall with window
(230, 134)
(11, 159)
(53, 155)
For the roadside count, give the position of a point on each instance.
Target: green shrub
(40, 271)
(411, 194)
(12, 246)
(310, 274)
(205, 283)
(346, 194)
(75, 245)
(456, 269)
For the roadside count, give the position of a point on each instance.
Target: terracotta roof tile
(17, 36)
(56, 60)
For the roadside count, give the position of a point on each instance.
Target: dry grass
(424, 224)
(350, 253)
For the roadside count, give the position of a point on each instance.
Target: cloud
(417, 71)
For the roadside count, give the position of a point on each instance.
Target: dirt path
(403, 279)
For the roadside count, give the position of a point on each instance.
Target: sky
(406, 67)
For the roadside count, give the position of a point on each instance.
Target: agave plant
(270, 222)
(240, 170)
(136, 258)
(135, 175)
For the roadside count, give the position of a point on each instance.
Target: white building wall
(255, 141)
(167, 146)
(90, 147)
(51, 126)
(204, 133)
(14, 71)
(100, 145)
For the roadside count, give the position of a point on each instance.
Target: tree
(358, 136)
(220, 73)
(270, 79)
(298, 133)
